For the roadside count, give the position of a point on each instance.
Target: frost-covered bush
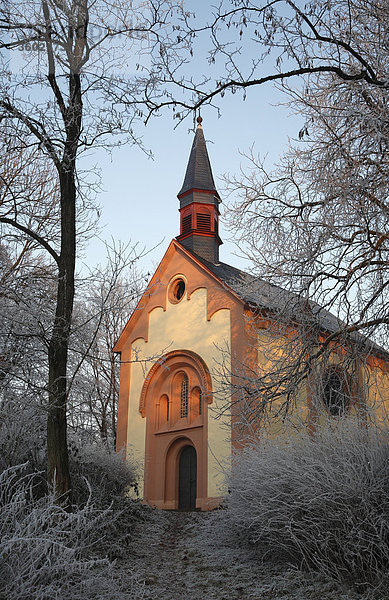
(321, 502)
(92, 463)
(22, 433)
(102, 473)
(47, 553)
(105, 471)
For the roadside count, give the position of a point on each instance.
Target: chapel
(192, 327)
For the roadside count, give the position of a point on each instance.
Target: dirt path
(178, 557)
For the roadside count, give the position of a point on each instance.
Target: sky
(139, 198)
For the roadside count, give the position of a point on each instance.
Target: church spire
(198, 172)
(199, 203)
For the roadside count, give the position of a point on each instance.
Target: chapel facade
(192, 328)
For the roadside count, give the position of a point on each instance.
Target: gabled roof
(261, 295)
(269, 297)
(198, 174)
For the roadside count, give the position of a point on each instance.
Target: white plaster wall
(183, 326)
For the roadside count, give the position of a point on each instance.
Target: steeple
(199, 203)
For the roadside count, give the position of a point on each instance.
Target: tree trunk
(57, 450)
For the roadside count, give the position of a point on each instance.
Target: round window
(177, 290)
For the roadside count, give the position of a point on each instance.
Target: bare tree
(27, 290)
(316, 226)
(105, 300)
(66, 99)
(258, 42)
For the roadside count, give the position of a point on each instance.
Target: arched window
(182, 382)
(184, 396)
(164, 410)
(196, 403)
(336, 395)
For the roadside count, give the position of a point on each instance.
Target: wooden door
(187, 479)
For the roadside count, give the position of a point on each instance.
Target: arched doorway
(187, 479)
(174, 399)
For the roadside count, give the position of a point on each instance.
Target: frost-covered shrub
(22, 433)
(104, 470)
(103, 474)
(23, 440)
(321, 501)
(47, 553)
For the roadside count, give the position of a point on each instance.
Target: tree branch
(206, 97)
(33, 235)
(33, 126)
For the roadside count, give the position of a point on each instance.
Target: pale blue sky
(140, 198)
(139, 201)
